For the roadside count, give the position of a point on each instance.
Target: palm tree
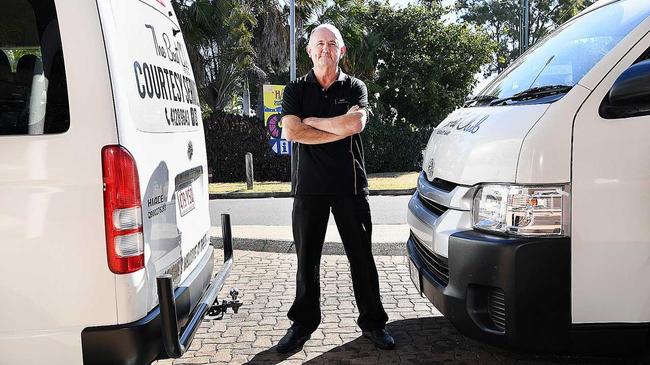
(218, 36)
(351, 17)
(271, 39)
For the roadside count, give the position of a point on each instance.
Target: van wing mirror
(630, 94)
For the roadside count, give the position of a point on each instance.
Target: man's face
(324, 49)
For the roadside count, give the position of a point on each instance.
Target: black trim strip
(187, 177)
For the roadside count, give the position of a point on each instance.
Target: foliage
(229, 137)
(218, 35)
(352, 18)
(501, 19)
(393, 148)
(417, 67)
(15, 54)
(426, 66)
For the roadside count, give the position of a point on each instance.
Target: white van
(530, 226)
(103, 185)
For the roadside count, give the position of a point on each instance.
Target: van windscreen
(33, 89)
(560, 60)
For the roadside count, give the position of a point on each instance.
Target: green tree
(426, 66)
(500, 19)
(271, 34)
(218, 35)
(353, 19)
(271, 41)
(417, 67)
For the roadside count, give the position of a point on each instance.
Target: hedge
(229, 137)
(387, 148)
(393, 148)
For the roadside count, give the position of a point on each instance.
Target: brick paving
(267, 284)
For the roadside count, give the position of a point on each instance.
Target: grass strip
(381, 181)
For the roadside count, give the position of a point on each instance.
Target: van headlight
(522, 210)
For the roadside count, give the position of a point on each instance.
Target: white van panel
(545, 156)
(610, 251)
(165, 136)
(32, 347)
(52, 214)
(481, 144)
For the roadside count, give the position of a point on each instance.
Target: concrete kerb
(284, 194)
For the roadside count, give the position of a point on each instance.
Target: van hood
(480, 144)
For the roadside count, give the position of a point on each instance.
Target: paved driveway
(266, 280)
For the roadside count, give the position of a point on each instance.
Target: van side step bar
(175, 344)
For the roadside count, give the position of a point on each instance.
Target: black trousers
(352, 216)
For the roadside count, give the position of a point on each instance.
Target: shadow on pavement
(329, 248)
(434, 340)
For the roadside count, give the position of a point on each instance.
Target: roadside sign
(280, 146)
(272, 121)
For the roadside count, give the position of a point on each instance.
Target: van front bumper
(142, 341)
(504, 291)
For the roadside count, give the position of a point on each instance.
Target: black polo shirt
(329, 168)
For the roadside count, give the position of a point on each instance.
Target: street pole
(292, 39)
(292, 52)
(524, 34)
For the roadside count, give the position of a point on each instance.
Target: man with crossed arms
(323, 115)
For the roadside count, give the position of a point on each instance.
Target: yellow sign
(273, 109)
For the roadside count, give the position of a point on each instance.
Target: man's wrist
(309, 121)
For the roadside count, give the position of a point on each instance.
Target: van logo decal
(161, 2)
(190, 150)
(469, 125)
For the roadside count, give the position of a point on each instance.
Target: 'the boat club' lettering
(165, 51)
(469, 125)
(157, 82)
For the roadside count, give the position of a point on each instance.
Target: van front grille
(443, 184)
(437, 264)
(497, 308)
(437, 209)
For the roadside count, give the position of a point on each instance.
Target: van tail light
(122, 211)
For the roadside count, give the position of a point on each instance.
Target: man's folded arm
(353, 122)
(295, 130)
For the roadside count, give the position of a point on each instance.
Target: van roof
(596, 5)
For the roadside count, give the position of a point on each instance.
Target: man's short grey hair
(332, 29)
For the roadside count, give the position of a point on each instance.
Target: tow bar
(218, 310)
(175, 341)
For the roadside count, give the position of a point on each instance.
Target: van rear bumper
(140, 342)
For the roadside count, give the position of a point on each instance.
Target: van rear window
(154, 84)
(33, 89)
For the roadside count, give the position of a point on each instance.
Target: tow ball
(217, 311)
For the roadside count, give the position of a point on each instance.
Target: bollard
(226, 233)
(249, 171)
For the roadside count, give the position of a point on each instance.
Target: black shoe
(381, 338)
(293, 340)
